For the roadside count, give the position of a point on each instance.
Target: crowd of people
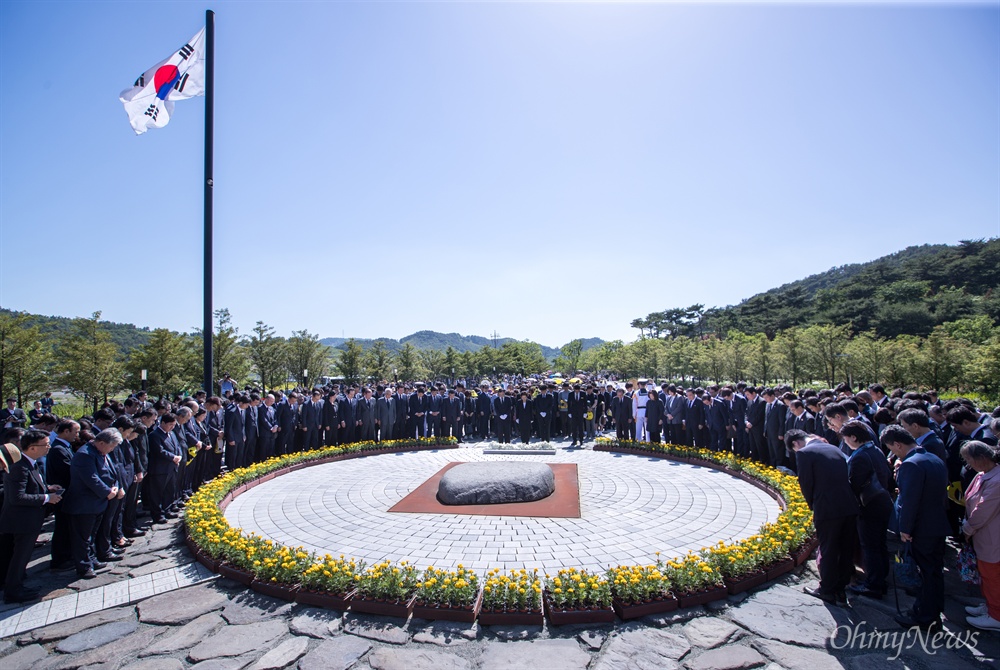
(869, 463)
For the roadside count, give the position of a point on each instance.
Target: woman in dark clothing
(868, 473)
(654, 416)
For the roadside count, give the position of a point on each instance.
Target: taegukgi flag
(150, 101)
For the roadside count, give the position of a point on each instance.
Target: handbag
(968, 564)
(872, 488)
(905, 570)
(870, 491)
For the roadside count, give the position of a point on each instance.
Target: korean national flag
(150, 101)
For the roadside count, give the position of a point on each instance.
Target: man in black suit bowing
(25, 495)
(756, 408)
(822, 470)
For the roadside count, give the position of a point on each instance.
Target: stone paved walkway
(220, 625)
(631, 507)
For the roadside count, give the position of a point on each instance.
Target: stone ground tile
(592, 638)
(25, 658)
(250, 607)
(554, 654)
(709, 632)
(387, 658)
(731, 657)
(337, 654)
(161, 663)
(186, 636)
(791, 656)
(115, 653)
(383, 629)
(97, 637)
(285, 653)
(237, 640)
(635, 646)
(316, 623)
(181, 606)
(73, 626)
(447, 633)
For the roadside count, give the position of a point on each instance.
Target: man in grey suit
(385, 415)
(365, 418)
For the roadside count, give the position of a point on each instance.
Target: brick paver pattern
(631, 506)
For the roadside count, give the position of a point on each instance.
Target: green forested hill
(905, 293)
(125, 335)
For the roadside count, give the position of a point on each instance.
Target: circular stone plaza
(629, 508)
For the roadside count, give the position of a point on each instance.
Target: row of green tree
(960, 355)
(85, 359)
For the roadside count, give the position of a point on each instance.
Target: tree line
(961, 355)
(84, 358)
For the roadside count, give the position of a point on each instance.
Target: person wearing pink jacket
(982, 526)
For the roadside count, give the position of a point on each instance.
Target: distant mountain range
(429, 339)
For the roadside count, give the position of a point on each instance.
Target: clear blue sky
(545, 170)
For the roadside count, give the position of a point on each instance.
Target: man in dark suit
(385, 415)
(434, 414)
(673, 416)
(418, 405)
(365, 419)
(401, 399)
(267, 428)
(288, 423)
(717, 418)
(756, 409)
(918, 424)
(621, 412)
(827, 491)
(694, 419)
(451, 415)
(25, 495)
(577, 408)
(57, 474)
(311, 416)
(347, 410)
(774, 428)
(250, 418)
(12, 416)
(93, 484)
(503, 409)
(484, 411)
(165, 456)
(235, 432)
(922, 521)
(544, 406)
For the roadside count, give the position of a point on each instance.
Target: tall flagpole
(209, 123)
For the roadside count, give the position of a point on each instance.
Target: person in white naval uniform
(639, 400)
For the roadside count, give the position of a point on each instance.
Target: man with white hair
(92, 484)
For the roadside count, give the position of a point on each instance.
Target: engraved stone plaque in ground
(496, 482)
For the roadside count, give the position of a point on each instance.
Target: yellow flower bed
(578, 588)
(517, 590)
(452, 588)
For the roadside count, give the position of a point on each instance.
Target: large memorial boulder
(496, 482)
